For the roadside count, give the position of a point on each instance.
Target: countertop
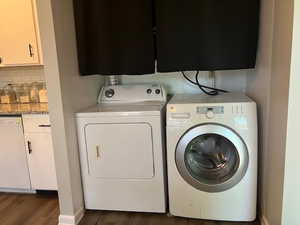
(18, 109)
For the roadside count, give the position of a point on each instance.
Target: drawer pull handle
(44, 126)
(29, 147)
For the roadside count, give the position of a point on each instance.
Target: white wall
(291, 197)
(269, 86)
(281, 59)
(233, 80)
(278, 110)
(67, 93)
(258, 88)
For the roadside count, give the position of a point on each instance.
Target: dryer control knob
(210, 114)
(109, 93)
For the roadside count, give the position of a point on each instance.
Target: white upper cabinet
(19, 36)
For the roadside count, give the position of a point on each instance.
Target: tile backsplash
(21, 75)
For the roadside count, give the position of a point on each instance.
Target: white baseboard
(71, 220)
(264, 221)
(19, 191)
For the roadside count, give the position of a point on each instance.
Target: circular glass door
(212, 158)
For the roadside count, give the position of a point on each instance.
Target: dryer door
(212, 157)
(120, 151)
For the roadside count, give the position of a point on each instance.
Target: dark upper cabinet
(206, 34)
(117, 37)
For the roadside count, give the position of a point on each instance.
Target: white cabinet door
(18, 33)
(120, 151)
(41, 161)
(13, 162)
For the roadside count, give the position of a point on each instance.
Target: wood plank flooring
(125, 218)
(26, 209)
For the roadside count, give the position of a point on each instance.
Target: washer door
(212, 157)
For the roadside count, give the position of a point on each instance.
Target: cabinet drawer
(36, 123)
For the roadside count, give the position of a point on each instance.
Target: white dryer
(212, 157)
(122, 149)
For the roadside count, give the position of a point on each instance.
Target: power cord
(211, 91)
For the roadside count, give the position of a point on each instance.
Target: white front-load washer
(212, 157)
(122, 149)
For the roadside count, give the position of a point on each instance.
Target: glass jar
(24, 94)
(17, 90)
(34, 92)
(43, 94)
(8, 95)
(1, 91)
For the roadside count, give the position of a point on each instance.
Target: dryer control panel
(132, 94)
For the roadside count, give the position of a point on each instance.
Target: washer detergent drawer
(120, 151)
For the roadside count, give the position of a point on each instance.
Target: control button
(157, 91)
(210, 114)
(109, 93)
(149, 91)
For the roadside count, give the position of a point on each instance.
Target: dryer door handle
(98, 152)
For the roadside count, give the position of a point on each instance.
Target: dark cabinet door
(206, 34)
(115, 36)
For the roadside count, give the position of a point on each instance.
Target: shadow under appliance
(122, 150)
(212, 157)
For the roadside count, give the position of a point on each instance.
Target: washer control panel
(210, 111)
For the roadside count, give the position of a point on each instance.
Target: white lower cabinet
(40, 155)
(13, 163)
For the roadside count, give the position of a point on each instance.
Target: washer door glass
(211, 159)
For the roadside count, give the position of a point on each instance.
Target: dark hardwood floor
(23, 209)
(125, 218)
(27, 209)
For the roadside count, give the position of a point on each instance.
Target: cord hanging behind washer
(213, 91)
